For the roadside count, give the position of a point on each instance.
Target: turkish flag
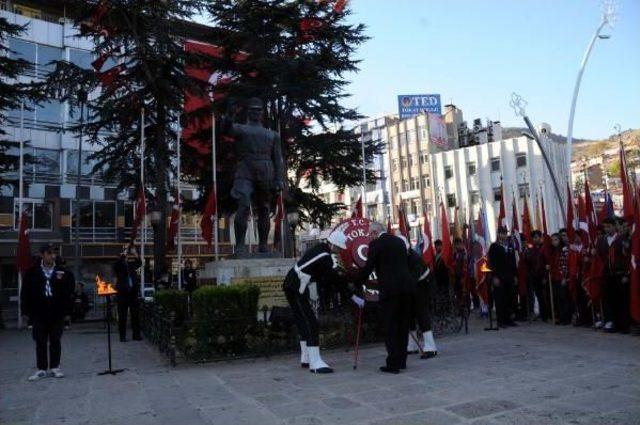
(172, 232)
(447, 247)
(635, 263)
(627, 193)
(502, 215)
(279, 216)
(358, 213)
(208, 216)
(571, 230)
(428, 254)
(527, 228)
(402, 223)
(389, 225)
(23, 254)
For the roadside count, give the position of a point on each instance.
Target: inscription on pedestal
(271, 293)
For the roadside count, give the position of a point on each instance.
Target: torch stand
(108, 318)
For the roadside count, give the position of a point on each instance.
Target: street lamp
(608, 18)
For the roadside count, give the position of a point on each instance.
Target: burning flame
(484, 268)
(104, 288)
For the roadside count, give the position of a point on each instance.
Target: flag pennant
(526, 220)
(571, 230)
(208, 217)
(358, 213)
(403, 226)
(428, 253)
(172, 232)
(502, 215)
(627, 195)
(634, 298)
(447, 247)
(592, 218)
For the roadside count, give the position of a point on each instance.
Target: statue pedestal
(267, 273)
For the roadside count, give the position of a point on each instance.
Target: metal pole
(215, 186)
(364, 175)
(20, 203)
(82, 98)
(576, 89)
(143, 234)
(179, 212)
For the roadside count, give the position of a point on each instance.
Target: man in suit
(502, 262)
(46, 299)
(128, 292)
(388, 256)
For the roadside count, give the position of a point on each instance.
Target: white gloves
(357, 301)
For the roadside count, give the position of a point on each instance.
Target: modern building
(471, 176)
(50, 182)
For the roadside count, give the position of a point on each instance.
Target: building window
(72, 163)
(39, 214)
(412, 160)
(394, 164)
(47, 55)
(495, 164)
(497, 194)
(423, 133)
(521, 160)
(424, 157)
(415, 183)
(451, 200)
(20, 49)
(47, 163)
(474, 197)
(405, 185)
(448, 172)
(523, 189)
(128, 212)
(404, 162)
(97, 214)
(411, 136)
(81, 58)
(396, 187)
(471, 168)
(426, 181)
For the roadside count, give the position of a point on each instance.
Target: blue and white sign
(410, 105)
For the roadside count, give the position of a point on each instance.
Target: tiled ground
(535, 374)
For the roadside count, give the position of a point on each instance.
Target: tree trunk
(160, 232)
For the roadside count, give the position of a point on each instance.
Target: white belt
(424, 275)
(305, 278)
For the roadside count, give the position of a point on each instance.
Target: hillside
(509, 132)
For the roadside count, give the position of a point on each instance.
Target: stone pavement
(535, 374)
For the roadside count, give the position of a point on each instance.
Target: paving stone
(482, 407)
(410, 404)
(340, 403)
(427, 417)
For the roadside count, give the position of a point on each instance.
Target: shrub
(173, 300)
(223, 316)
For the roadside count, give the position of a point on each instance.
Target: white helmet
(338, 239)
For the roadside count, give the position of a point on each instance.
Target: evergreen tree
(140, 62)
(296, 55)
(12, 94)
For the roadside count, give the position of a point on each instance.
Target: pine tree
(12, 94)
(297, 56)
(140, 65)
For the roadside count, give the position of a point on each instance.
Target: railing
(87, 180)
(96, 234)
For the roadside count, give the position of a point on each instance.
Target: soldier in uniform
(259, 172)
(421, 308)
(314, 269)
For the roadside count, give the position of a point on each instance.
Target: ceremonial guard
(421, 309)
(46, 299)
(388, 257)
(315, 268)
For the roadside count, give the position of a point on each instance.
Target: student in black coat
(301, 285)
(502, 262)
(388, 256)
(128, 292)
(46, 299)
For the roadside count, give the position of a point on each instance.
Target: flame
(484, 268)
(104, 288)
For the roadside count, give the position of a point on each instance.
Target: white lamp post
(608, 18)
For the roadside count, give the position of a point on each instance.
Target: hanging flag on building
(208, 217)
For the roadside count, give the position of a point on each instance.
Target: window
(523, 189)
(521, 160)
(451, 200)
(497, 194)
(72, 163)
(423, 133)
(474, 197)
(128, 212)
(415, 183)
(412, 160)
(40, 214)
(39, 56)
(49, 111)
(46, 55)
(404, 162)
(396, 187)
(95, 214)
(471, 168)
(394, 164)
(47, 162)
(82, 58)
(448, 172)
(424, 157)
(20, 49)
(495, 164)
(411, 136)
(405, 185)
(426, 181)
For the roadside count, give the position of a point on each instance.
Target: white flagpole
(179, 213)
(20, 204)
(143, 234)
(251, 232)
(364, 175)
(215, 186)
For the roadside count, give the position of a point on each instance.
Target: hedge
(172, 300)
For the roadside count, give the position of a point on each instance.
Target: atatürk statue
(258, 175)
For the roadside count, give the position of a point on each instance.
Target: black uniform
(128, 292)
(388, 257)
(502, 261)
(421, 303)
(441, 276)
(190, 279)
(321, 273)
(46, 298)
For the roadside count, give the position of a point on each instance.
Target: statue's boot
(263, 230)
(240, 228)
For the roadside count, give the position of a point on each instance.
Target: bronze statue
(258, 174)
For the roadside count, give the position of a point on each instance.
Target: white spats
(412, 347)
(316, 365)
(429, 344)
(304, 354)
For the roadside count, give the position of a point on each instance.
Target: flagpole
(179, 211)
(215, 186)
(20, 204)
(364, 175)
(143, 234)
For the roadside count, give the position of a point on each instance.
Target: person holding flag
(502, 262)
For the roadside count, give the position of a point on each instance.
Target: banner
(410, 105)
(438, 131)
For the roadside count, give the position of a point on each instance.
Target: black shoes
(387, 369)
(304, 365)
(428, 355)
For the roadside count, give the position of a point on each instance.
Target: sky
(476, 53)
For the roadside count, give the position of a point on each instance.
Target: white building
(469, 176)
